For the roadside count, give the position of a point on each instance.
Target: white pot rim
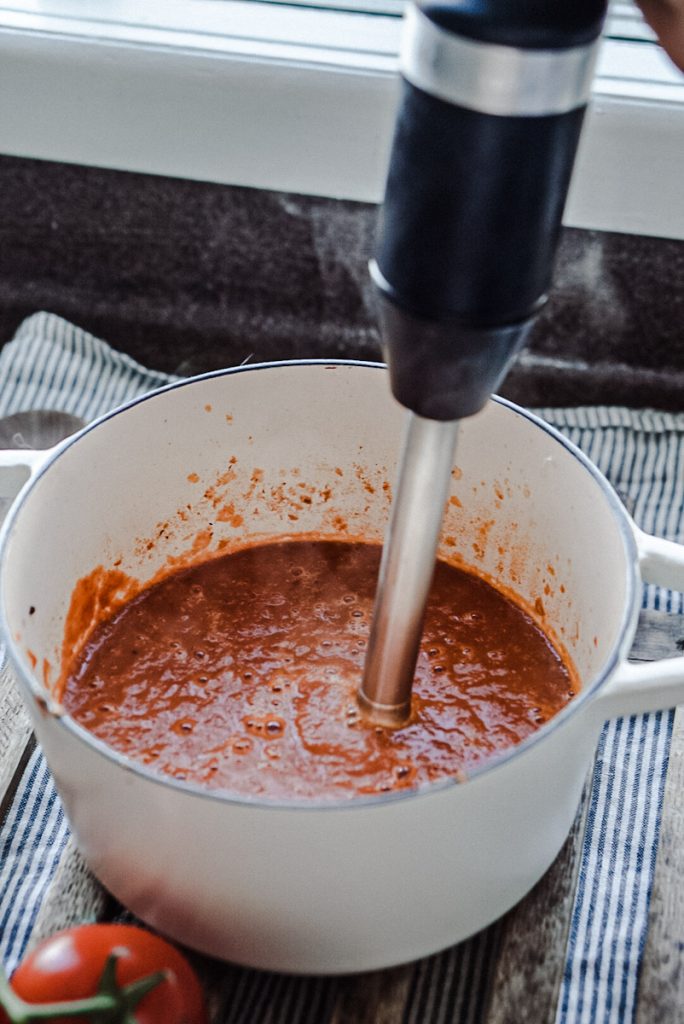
(35, 692)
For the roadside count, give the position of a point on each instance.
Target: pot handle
(638, 687)
(17, 465)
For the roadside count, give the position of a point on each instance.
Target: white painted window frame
(296, 99)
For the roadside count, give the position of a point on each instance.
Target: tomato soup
(240, 674)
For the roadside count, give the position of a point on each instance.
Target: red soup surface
(240, 674)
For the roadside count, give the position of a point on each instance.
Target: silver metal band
(494, 79)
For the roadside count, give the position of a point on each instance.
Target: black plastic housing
(472, 210)
(529, 24)
(444, 371)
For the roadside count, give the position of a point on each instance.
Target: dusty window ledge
(295, 99)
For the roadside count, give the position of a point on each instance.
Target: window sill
(228, 92)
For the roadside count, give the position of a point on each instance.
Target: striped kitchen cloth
(52, 364)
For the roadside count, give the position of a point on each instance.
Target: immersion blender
(494, 94)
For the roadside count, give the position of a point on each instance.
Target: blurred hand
(666, 18)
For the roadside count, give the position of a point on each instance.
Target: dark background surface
(187, 277)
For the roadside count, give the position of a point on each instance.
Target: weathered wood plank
(15, 732)
(661, 985)
(534, 937)
(533, 943)
(659, 635)
(375, 998)
(74, 897)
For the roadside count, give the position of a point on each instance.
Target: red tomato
(69, 965)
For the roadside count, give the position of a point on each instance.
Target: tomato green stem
(113, 1003)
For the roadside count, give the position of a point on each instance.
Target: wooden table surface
(528, 953)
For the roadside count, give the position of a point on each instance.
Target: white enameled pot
(325, 888)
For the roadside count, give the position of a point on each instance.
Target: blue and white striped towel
(51, 364)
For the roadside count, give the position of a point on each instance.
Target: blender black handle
(493, 99)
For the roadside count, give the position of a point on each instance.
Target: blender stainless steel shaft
(404, 583)
(494, 93)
